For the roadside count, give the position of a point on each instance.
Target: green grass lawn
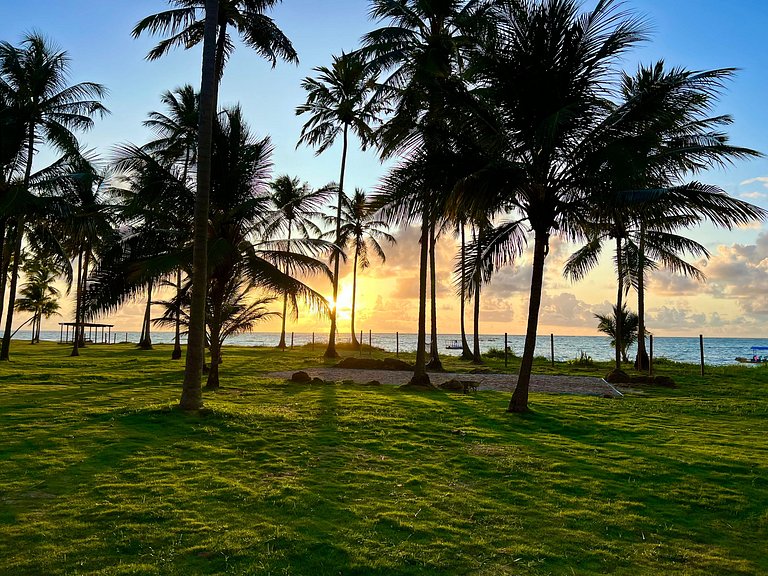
(99, 474)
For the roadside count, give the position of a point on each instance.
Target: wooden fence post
(552, 348)
(505, 350)
(701, 351)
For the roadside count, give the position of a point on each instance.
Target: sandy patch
(583, 385)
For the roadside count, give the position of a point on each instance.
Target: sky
(695, 34)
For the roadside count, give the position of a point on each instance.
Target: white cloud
(760, 179)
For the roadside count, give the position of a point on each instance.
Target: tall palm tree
(543, 100)
(422, 47)
(361, 229)
(177, 139)
(294, 205)
(662, 134)
(86, 229)
(338, 101)
(35, 77)
(187, 29)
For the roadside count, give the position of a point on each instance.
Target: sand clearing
(584, 385)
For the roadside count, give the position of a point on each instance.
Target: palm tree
(239, 217)
(293, 205)
(662, 133)
(187, 29)
(627, 322)
(362, 230)
(87, 227)
(177, 131)
(540, 102)
(39, 294)
(35, 78)
(338, 101)
(422, 48)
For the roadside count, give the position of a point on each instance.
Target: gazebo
(90, 332)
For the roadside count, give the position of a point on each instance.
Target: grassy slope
(99, 475)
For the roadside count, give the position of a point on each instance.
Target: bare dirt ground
(583, 385)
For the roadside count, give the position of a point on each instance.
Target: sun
(343, 302)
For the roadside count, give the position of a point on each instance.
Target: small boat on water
(759, 356)
(453, 345)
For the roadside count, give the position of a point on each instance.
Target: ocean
(717, 351)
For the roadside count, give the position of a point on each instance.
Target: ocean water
(717, 351)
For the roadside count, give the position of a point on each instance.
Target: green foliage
(584, 359)
(499, 353)
(629, 326)
(102, 475)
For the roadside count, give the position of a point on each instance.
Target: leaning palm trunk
(191, 395)
(6, 346)
(355, 343)
(619, 303)
(641, 361)
(466, 353)
(420, 377)
(330, 351)
(434, 361)
(519, 401)
(20, 222)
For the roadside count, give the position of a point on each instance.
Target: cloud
(760, 179)
(740, 272)
(566, 310)
(753, 195)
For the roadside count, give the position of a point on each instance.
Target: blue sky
(691, 33)
(696, 34)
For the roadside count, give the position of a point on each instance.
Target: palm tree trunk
(213, 372)
(641, 360)
(191, 395)
(355, 343)
(78, 299)
(619, 304)
(466, 353)
(282, 344)
(5, 348)
(519, 401)
(476, 358)
(146, 341)
(420, 377)
(176, 354)
(434, 353)
(330, 351)
(86, 265)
